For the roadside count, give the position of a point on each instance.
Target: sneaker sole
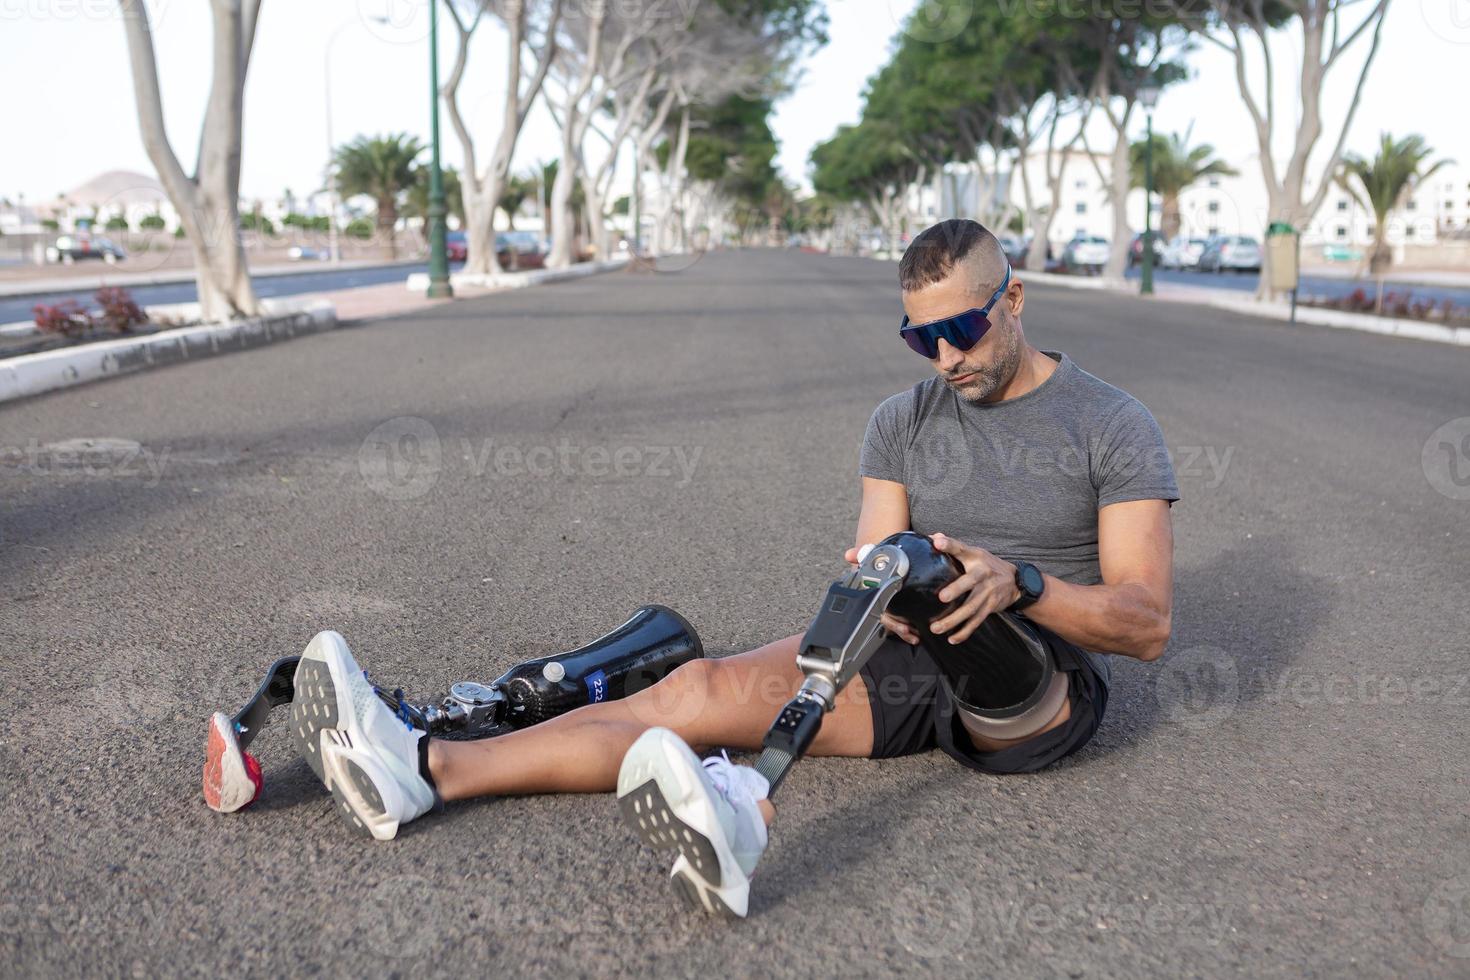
(354, 790)
(670, 813)
(314, 707)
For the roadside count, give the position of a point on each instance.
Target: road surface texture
(1284, 794)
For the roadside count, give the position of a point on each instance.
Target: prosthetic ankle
(639, 653)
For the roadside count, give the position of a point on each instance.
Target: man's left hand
(988, 585)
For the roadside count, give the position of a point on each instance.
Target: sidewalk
(1453, 279)
(1245, 303)
(169, 277)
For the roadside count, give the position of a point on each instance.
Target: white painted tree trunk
(208, 204)
(482, 189)
(1286, 190)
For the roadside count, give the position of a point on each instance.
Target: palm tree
(518, 190)
(1176, 168)
(1386, 181)
(382, 168)
(417, 204)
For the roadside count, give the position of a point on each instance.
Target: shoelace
(736, 783)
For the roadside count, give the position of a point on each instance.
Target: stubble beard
(990, 378)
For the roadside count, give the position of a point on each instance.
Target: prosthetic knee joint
(1003, 679)
(636, 655)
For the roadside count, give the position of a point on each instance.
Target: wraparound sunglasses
(961, 331)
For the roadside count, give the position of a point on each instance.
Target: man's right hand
(896, 625)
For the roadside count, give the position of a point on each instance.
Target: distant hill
(122, 188)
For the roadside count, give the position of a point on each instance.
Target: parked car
(1135, 250)
(1085, 254)
(529, 252)
(456, 247)
(1239, 253)
(1183, 253)
(305, 253)
(71, 248)
(514, 249)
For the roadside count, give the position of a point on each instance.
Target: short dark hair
(935, 251)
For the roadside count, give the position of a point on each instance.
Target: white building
(1223, 205)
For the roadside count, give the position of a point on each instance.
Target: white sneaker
(364, 753)
(706, 811)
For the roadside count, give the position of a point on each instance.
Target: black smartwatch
(1031, 584)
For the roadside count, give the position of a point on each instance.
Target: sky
(68, 113)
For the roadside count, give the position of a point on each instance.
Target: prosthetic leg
(1003, 678)
(639, 653)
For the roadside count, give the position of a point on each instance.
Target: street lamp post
(439, 285)
(1148, 97)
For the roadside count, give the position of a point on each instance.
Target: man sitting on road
(1049, 487)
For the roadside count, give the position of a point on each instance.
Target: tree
(518, 190)
(1175, 168)
(483, 187)
(418, 194)
(382, 167)
(1325, 32)
(207, 202)
(1382, 185)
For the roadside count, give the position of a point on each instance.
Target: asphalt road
(17, 309)
(1284, 794)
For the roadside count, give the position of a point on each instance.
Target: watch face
(1031, 580)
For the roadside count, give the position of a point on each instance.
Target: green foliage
(50, 224)
(298, 220)
(255, 221)
(381, 167)
(622, 205)
(418, 195)
(518, 190)
(117, 222)
(1176, 166)
(358, 228)
(179, 232)
(151, 222)
(1384, 182)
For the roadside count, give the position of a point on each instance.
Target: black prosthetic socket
(1001, 669)
(428, 776)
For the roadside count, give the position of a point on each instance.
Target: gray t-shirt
(1022, 478)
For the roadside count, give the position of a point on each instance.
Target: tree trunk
(1119, 184)
(563, 221)
(207, 203)
(1169, 220)
(387, 222)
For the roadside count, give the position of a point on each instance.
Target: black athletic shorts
(913, 712)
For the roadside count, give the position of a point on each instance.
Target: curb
(33, 374)
(131, 279)
(419, 281)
